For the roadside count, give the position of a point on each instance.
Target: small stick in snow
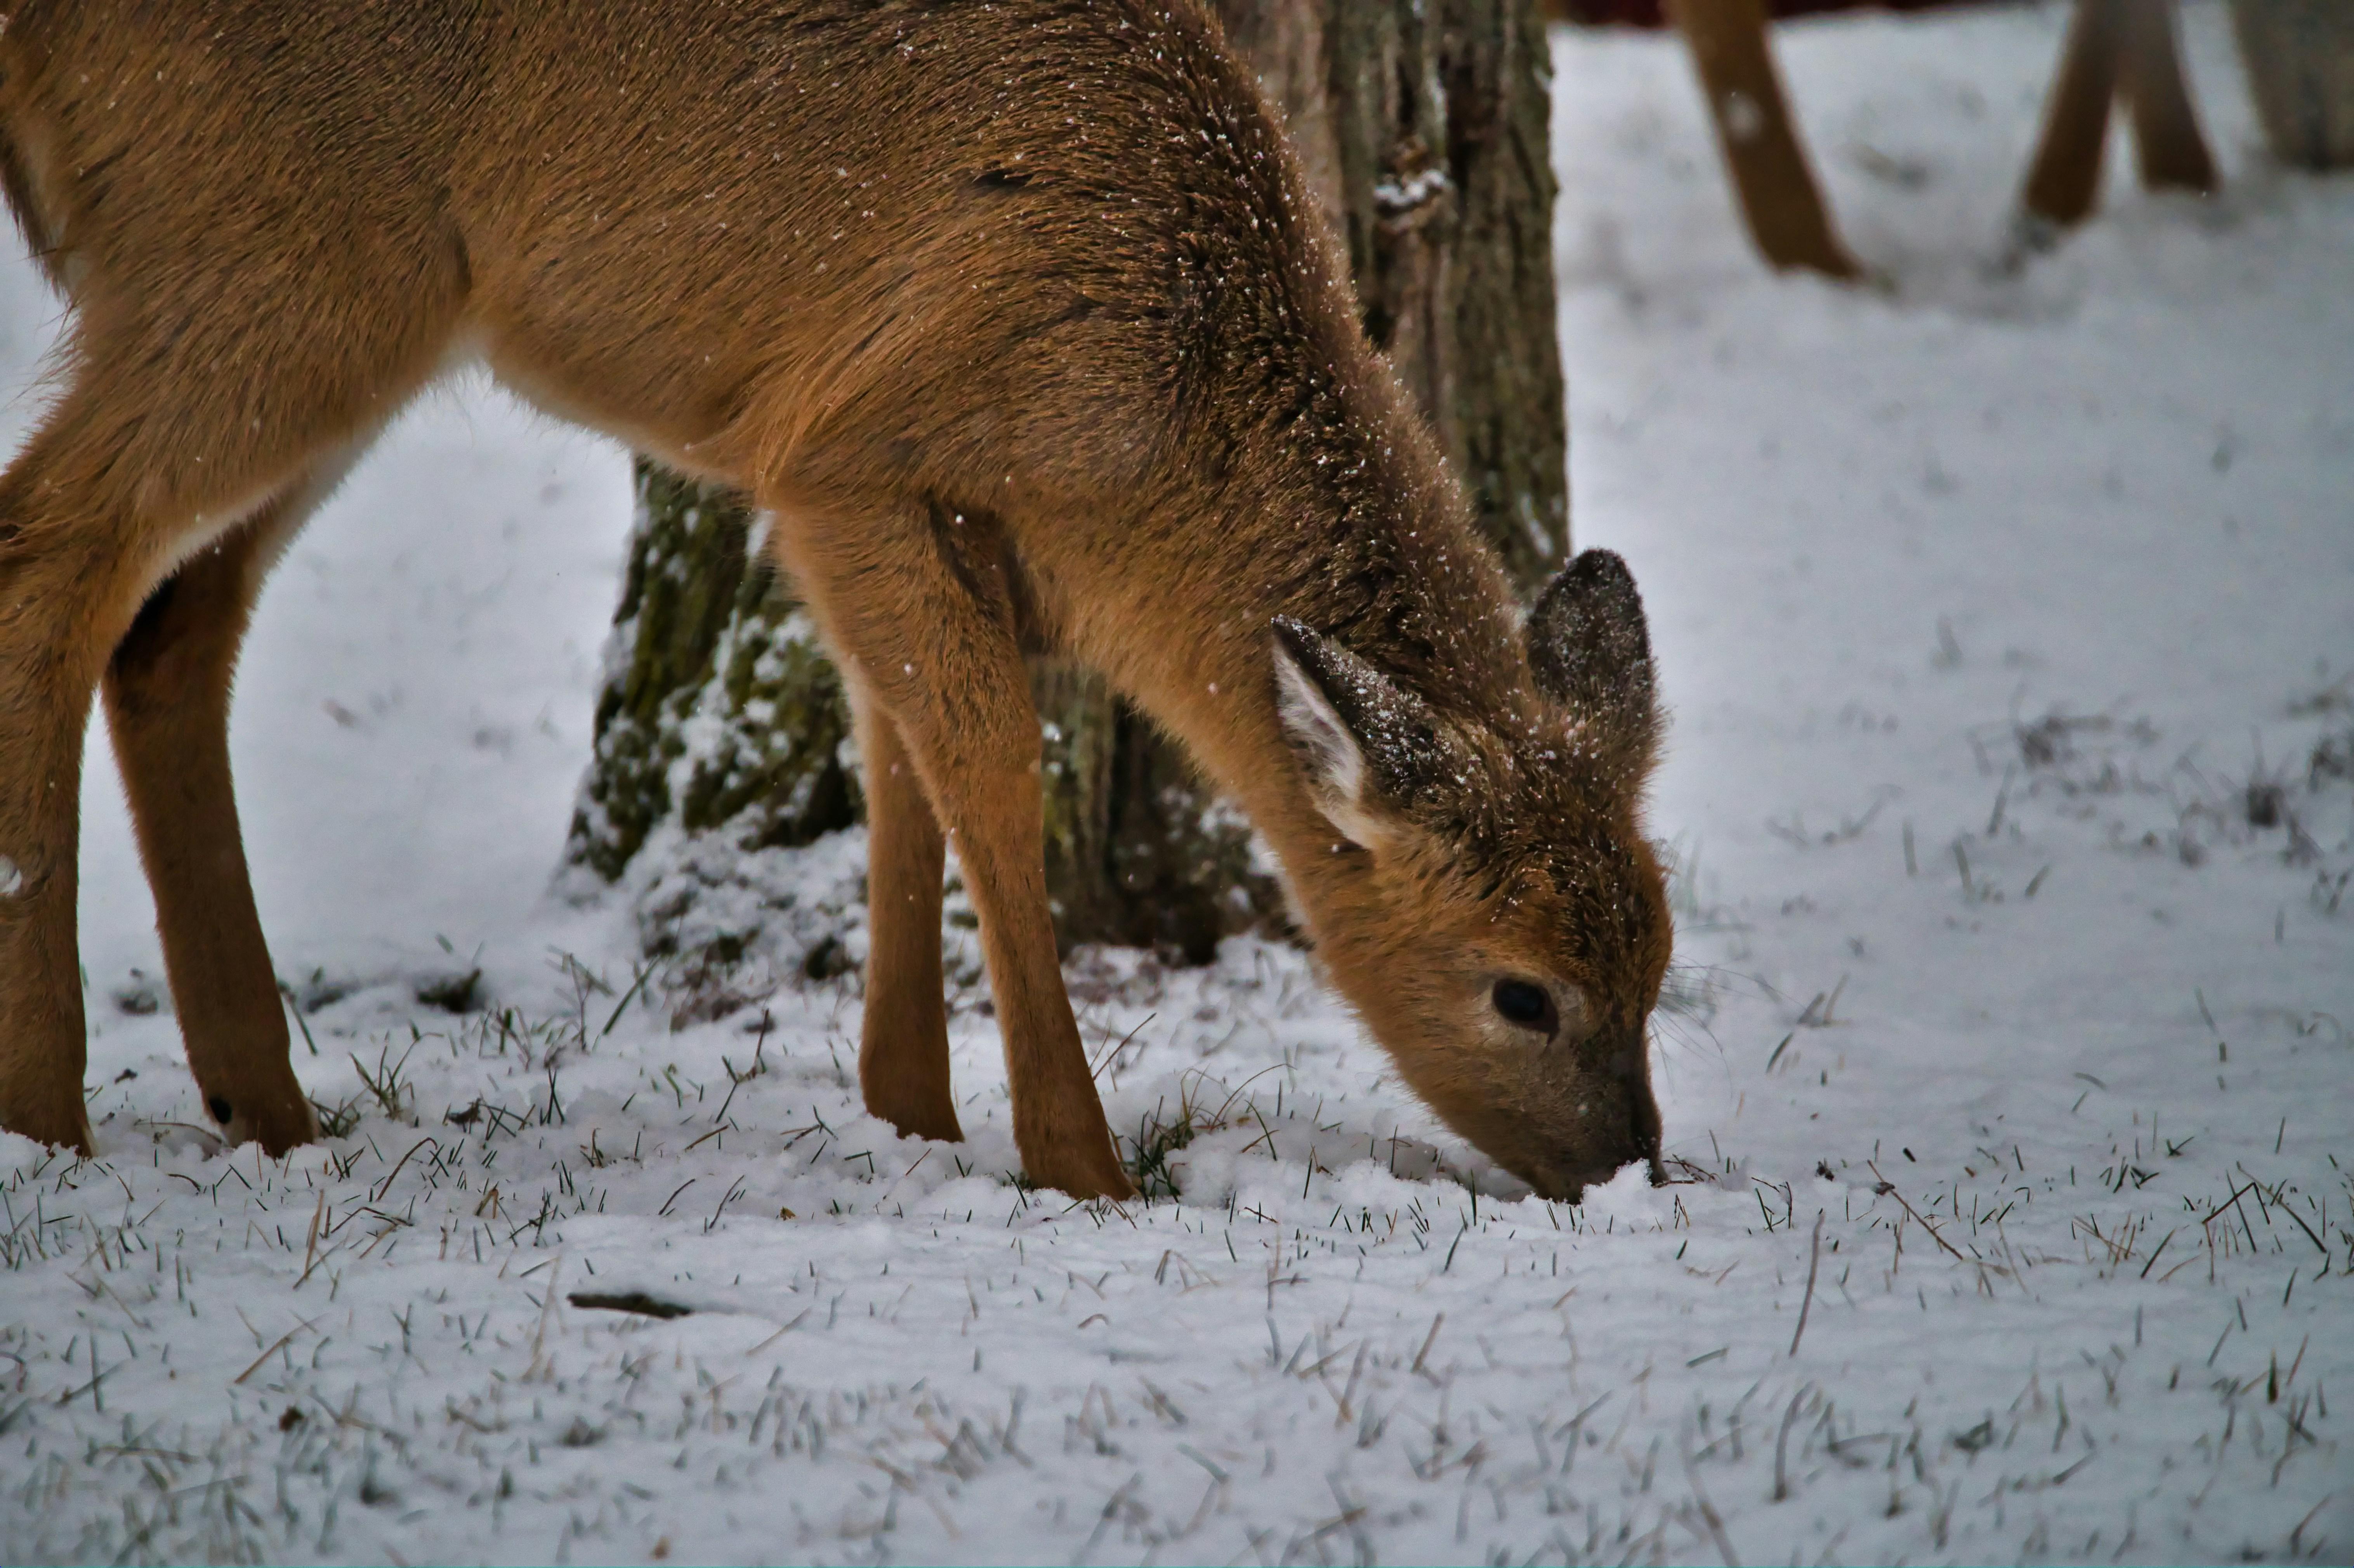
(311, 1246)
(319, 1226)
(1814, 1263)
(796, 1323)
(272, 1351)
(1890, 1188)
(1108, 1056)
(2001, 800)
(376, 1196)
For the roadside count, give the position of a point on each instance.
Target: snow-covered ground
(2010, 1063)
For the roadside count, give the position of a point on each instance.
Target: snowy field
(2008, 617)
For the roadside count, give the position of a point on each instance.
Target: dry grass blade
(1707, 1514)
(1814, 1263)
(275, 1345)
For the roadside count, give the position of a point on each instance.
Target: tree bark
(2300, 55)
(1424, 130)
(1779, 198)
(718, 710)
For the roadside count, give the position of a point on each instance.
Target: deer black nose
(1628, 1068)
(1647, 1132)
(1642, 1108)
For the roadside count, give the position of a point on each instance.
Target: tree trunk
(2300, 55)
(717, 709)
(1784, 207)
(1423, 129)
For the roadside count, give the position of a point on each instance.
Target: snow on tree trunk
(717, 708)
(720, 725)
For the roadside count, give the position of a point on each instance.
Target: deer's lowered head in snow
(1483, 893)
(1017, 318)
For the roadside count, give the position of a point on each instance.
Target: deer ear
(1591, 652)
(1366, 742)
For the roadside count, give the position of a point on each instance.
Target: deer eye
(1530, 1006)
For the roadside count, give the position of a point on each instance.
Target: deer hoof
(1099, 1176)
(280, 1121)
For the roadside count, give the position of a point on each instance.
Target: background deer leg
(1784, 207)
(993, 813)
(903, 1048)
(2174, 154)
(167, 691)
(2064, 179)
(917, 604)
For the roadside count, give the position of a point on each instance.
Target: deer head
(1491, 906)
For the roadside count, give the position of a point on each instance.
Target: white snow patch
(1983, 603)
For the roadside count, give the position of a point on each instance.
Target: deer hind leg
(166, 691)
(903, 1048)
(48, 655)
(150, 457)
(77, 557)
(929, 633)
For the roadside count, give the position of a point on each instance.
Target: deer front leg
(2174, 153)
(995, 820)
(2064, 179)
(903, 1047)
(167, 693)
(922, 615)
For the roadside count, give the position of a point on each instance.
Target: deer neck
(1361, 534)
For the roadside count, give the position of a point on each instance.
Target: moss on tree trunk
(719, 709)
(1423, 129)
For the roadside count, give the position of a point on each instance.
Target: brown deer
(1017, 318)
